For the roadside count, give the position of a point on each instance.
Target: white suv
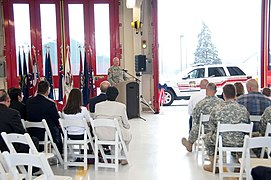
(189, 80)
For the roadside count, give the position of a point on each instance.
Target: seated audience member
(11, 123)
(102, 97)
(205, 106)
(15, 95)
(74, 110)
(239, 89)
(228, 112)
(195, 98)
(254, 101)
(41, 107)
(266, 118)
(113, 109)
(266, 91)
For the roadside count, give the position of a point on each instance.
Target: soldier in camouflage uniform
(205, 106)
(115, 73)
(266, 118)
(229, 112)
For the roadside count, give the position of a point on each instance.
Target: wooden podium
(129, 95)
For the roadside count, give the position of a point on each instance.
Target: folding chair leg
(65, 155)
(116, 158)
(85, 156)
(197, 150)
(96, 151)
(57, 153)
(102, 153)
(202, 151)
(215, 157)
(220, 162)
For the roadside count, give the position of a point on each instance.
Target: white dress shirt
(194, 99)
(83, 114)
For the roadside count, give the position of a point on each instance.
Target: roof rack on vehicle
(198, 64)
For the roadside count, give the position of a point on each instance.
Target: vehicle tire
(169, 97)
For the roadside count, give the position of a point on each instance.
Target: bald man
(102, 97)
(195, 98)
(116, 73)
(254, 101)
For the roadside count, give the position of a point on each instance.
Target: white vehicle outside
(187, 83)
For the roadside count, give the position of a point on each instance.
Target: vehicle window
(216, 72)
(196, 73)
(235, 71)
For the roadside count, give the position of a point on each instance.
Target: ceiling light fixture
(130, 3)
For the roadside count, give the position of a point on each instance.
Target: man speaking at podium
(128, 88)
(115, 73)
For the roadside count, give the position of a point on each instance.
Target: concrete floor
(156, 152)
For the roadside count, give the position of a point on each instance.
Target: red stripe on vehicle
(222, 83)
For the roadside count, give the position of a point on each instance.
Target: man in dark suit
(15, 95)
(102, 97)
(41, 107)
(10, 122)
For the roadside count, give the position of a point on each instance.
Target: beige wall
(2, 80)
(131, 42)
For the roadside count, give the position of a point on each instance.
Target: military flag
(36, 76)
(25, 79)
(60, 76)
(86, 89)
(30, 76)
(20, 71)
(81, 73)
(48, 73)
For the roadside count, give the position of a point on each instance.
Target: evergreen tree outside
(206, 52)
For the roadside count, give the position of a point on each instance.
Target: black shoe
(107, 151)
(79, 160)
(52, 161)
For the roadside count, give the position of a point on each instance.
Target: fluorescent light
(130, 3)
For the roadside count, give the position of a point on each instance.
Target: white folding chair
(3, 174)
(48, 139)
(255, 118)
(248, 163)
(36, 160)
(267, 132)
(3, 168)
(71, 143)
(199, 145)
(60, 114)
(46, 142)
(22, 139)
(222, 128)
(121, 152)
(22, 120)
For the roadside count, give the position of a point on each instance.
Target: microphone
(125, 70)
